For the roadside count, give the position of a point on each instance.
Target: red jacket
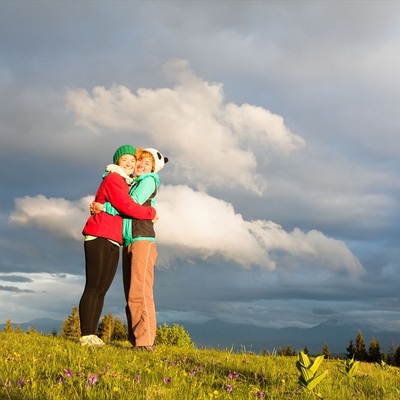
(115, 190)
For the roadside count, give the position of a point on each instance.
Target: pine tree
(71, 328)
(31, 329)
(374, 351)
(18, 329)
(360, 352)
(396, 357)
(8, 328)
(306, 351)
(119, 331)
(390, 354)
(350, 350)
(106, 328)
(288, 351)
(326, 352)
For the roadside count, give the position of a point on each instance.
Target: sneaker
(91, 340)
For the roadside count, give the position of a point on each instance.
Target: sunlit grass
(44, 367)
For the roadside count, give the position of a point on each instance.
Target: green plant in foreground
(308, 370)
(351, 367)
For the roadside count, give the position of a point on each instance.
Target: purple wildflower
(68, 373)
(137, 378)
(199, 368)
(21, 383)
(92, 380)
(234, 375)
(229, 388)
(167, 380)
(260, 395)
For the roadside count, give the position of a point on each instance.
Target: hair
(140, 153)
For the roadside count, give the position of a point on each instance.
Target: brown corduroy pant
(138, 263)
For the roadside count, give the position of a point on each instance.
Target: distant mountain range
(335, 334)
(43, 325)
(217, 334)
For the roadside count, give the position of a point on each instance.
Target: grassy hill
(34, 366)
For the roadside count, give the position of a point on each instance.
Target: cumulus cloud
(312, 246)
(59, 216)
(211, 141)
(196, 225)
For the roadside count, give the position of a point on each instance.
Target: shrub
(174, 335)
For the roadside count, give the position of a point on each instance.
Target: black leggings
(101, 257)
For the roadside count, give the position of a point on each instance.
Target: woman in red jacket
(103, 237)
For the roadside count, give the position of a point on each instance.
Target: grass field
(34, 366)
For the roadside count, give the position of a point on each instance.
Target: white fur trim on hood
(120, 171)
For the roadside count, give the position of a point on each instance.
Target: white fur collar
(120, 171)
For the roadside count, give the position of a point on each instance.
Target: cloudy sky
(280, 204)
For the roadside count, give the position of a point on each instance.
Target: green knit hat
(125, 149)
